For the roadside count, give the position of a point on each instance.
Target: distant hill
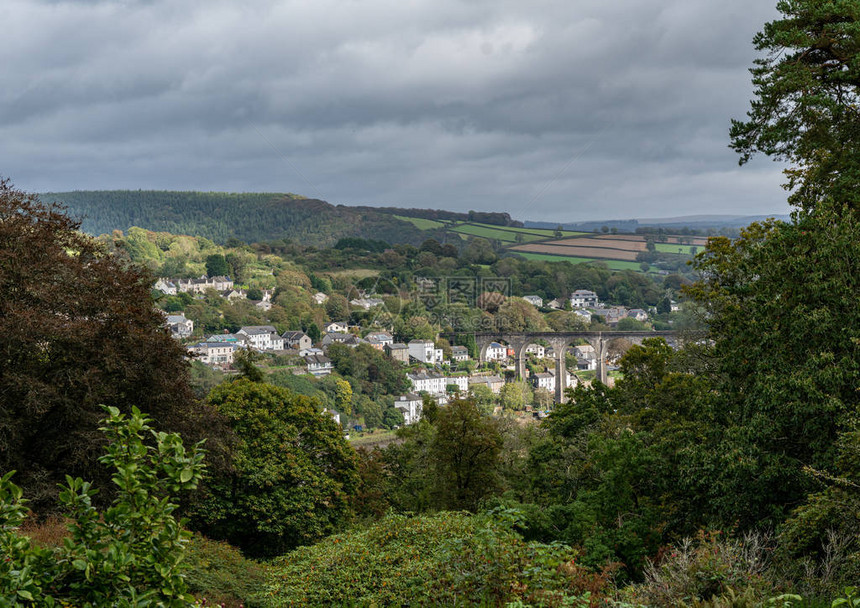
(695, 222)
(219, 216)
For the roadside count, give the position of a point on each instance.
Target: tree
(466, 451)
(216, 265)
(293, 474)
(79, 330)
(784, 359)
(516, 395)
(343, 397)
(807, 90)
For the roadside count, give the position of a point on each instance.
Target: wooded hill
(220, 216)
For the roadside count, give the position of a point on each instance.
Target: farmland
(618, 251)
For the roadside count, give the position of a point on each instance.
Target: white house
(425, 352)
(336, 326)
(320, 298)
(202, 284)
(263, 337)
(583, 298)
(535, 301)
(459, 353)
(165, 286)
(410, 405)
(366, 303)
(427, 382)
(496, 352)
(319, 365)
(583, 314)
(585, 351)
(214, 353)
(638, 314)
(537, 350)
(179, 326)
(544, 380)
(462, 383)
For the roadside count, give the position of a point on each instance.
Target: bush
(707, 567)
(442, 559)
(218, 573)
(129, 555)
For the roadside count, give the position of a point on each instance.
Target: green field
(501, 233)
(673, 248)
(611, 264)
(420, 222)
(546, 232)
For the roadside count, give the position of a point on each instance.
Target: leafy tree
(516, 395)
(343, 397)
(805, 109)
(314, 332)
(784, 357)
(216, 265)
(129, 555)
(465, 454)
(255, 293)
(293, 474)
(79, 329)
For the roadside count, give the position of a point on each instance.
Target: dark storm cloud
(548, 109)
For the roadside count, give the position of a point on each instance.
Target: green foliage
(249, 217)
(219, 573)
(130, 555)
(805, 109)
(79, 329)
(443, 559)
(292, 477)
(216, 265)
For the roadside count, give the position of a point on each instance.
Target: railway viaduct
(560, 341)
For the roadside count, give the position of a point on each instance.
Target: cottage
(179, 326)
(494, 383)
(341, 338)
(366, 303)
(536, 350)
(379, 340)
(496, 352)
(544, 380)
(166, 286)
(459, 353)
(320, 298)
(638, 314)
(296, 339)
(535, 301)
(336, 326)
(319, 365)
(397, 351)
(410, 406)
(214, 353)
(584, 298)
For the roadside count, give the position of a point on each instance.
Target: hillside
(219, 216)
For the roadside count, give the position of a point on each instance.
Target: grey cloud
(585, 108)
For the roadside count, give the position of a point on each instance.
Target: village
(435, 369)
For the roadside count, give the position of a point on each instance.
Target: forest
(724, 473)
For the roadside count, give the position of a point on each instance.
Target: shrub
(442, 559)
(129, 555)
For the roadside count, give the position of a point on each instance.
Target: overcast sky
(558, 110)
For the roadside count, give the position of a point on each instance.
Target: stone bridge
(560, 341)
